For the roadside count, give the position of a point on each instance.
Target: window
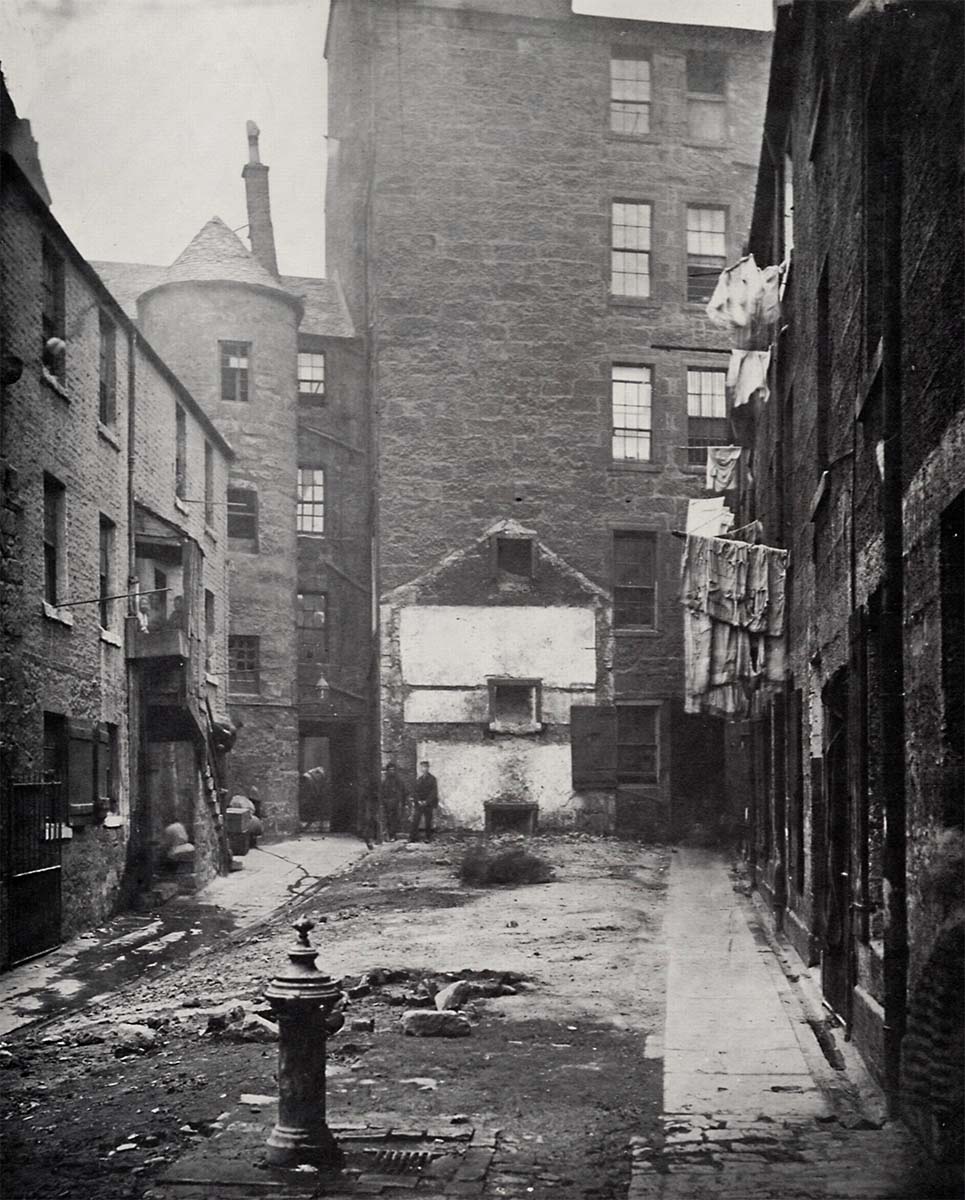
(312, 615)
(630, 95)
(787, 200)
(244, 663)
(106, 768)
(706, 251)
(54, 307)
(55, 760)
(234, 370)
(515, 556)
(208, 484)
(180, 452)
(210, 624)
(243, 515)
(55, 525)
(637, 726)
(707, 422)
(107, 376)
(632, 413)
(514, 705)
(706, 95)
(311, 500)
(629, 249)
(311, 377)
(634, 579)
(106, 572)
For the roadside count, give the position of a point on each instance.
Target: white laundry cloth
(722, 468)
(747, 375)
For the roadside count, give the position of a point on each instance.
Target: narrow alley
(634, 1034)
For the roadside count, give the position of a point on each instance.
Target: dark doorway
(835, 958)
(699, 800)
(333, 745)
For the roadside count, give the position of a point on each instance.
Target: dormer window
(515, 556)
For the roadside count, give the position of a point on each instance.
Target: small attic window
(515, 556)
(514, 705)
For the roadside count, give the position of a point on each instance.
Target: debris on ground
(484, 866)
(421, 1022)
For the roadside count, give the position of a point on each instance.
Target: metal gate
(31, 826)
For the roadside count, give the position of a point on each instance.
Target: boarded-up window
(80, 771)
(243, 516)
(637, 743)
(593, 746)
(515, 556)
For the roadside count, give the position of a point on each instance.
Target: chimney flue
(260, 232)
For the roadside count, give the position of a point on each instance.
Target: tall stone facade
(508, 208)
(275, 363)
(94, 426)
(857, 791)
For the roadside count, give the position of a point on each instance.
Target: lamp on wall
(322, 689)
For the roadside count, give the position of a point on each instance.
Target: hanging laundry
(709, 517)
(722, 468)
(733, 595)
(747, 303)
(747, 376)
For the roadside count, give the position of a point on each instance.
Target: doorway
(836, 954)
(333, 746)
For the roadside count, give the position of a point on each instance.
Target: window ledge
(212, 680)
(644, 468)
(53, 382)
(242, 696)
(693, 469)
(111, 638)
(637, 631)
(650, 139)
(109, 435)
(708, 143)
(181, 506)
(516, 726)
(62, 615)
(210, 534)
(113, 821)
(649, 303)
(306, 534)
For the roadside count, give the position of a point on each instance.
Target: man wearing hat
(392, 798)
(426, 797)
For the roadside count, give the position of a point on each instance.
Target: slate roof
(217, 254)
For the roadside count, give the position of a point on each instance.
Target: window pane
(706, 231)
(311, 374)
(705, 394)
(706, 120)
(632, 412)
(706, 72)
(242, 513)
(630, 253)
(310, 509)
(243, 663)
(234, 370)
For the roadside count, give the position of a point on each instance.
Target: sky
(139, 108)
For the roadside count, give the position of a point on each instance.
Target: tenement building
(113, 592)
(528, 210)
(854, 769)
(273, 362)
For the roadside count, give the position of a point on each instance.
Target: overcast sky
(139, 107)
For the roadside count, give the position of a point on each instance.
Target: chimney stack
(260, 232)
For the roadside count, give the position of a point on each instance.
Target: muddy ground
(562, 1067)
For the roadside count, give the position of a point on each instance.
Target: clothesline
(728, 536)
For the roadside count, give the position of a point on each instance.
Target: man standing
(391, 801)
(426, 796)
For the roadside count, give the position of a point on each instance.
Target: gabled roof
(326, 313)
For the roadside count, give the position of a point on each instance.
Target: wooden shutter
(593, 744)
(80, 771)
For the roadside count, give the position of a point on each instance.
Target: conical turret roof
(216, 254)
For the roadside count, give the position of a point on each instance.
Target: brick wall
(50, 664)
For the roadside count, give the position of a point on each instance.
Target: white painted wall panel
(452, 645)
(470, 774)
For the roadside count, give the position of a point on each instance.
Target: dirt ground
(562, 1067)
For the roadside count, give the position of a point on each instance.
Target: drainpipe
(892, 633)
(136, 794)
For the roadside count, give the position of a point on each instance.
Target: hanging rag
(747, 376)
(722, 468)
(747, 303)
(709, 517)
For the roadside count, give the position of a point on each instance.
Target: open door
(837, 949)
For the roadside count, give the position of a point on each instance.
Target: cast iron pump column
(304, 1000)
